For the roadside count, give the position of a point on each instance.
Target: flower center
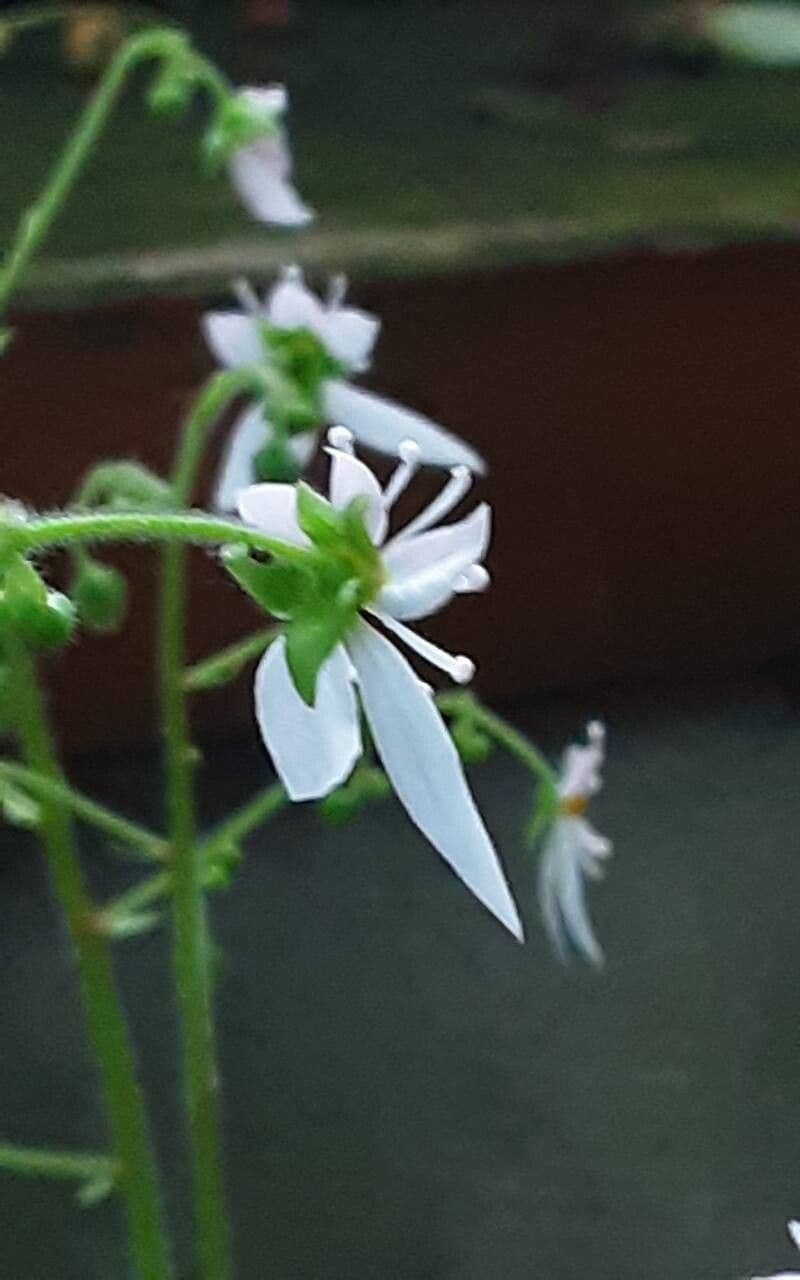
(573, 806)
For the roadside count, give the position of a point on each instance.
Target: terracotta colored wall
(638, 414)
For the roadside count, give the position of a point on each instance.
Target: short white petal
(273, 509)
(314, 748)
(271, 99)
(383, 425)
(260, 175)
(291, 305)
(793, 1227)
(351, 479)
(423, 569)
(232, 337)
(247, 438)
(349, 336)
(424, 768)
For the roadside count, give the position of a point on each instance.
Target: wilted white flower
(419, 569)
(261, 171)
(793, 1228)
(573, 850)
(345, 337)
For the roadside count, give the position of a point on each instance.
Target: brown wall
(638, 414)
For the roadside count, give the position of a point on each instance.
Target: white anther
(341, 438)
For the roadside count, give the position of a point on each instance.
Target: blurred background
(580, 225)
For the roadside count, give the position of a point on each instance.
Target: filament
(459, 483)
(409, 452)
(459, 667)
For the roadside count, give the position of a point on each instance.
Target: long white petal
(314, 748)
(249, 434)
(260, 175)
(349, 335)
(793, 1227)
(273, 509)
(423, 570)
(351, 479)
(425, 771)
(383, 425)
(232, 337)
(562, 896)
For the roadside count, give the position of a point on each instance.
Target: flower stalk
(137, 1178)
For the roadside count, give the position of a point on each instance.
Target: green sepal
(41, 616)
(310, 640)
(278, 587)
(100, 593)
(319, 521)
(237, 124)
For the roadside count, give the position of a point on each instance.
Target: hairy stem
(189, 924)
(137, 1179)
(40, 216)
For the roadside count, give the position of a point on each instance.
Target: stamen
(596, 732)
(342, 439)
(459, 483)
(409, 452)
(457, 666)
(292, 274)
(337, 291)
(247, 297)
(475, 578)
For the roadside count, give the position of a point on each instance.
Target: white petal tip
(475, 578)
(341, 438)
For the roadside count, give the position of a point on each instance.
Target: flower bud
(275, 462)
(171, 90)
(471, 744)
(100, 593)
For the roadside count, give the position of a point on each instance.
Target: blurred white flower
(793, 1228)
(346, 337)
(573, 851)
(261, 171)
(314, 748)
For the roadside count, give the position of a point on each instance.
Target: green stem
(108, 1032)
(39, 217)
(146, 843)
(234, 829)
(225, 665)
(194, 527)
(77, 1166)
(459, 702)
(190, 952)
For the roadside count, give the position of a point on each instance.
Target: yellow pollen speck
(573, 806)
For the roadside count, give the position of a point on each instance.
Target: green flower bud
(275, 462)
(171, 91)
(471, 744)
(100, 593)
(41, 616)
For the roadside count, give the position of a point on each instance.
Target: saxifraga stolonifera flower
(342, 575)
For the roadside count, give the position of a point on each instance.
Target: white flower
(348, 336)
(793, 1228)
(261, 172)
(574, 850)
(315, 748)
